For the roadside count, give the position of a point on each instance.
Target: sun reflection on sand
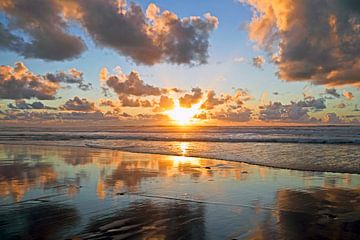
(183, 159)
(184, 147)
(95, 179)
(118, 171)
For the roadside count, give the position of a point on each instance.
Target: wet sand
(49, 192)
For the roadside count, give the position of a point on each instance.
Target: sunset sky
(188, 61)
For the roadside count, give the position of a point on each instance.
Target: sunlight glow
(184, 116)
(183, 160)
(184, 147)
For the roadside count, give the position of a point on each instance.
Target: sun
(183, 116)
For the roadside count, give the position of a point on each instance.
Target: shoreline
(33, 143)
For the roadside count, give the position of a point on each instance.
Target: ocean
(309, 148)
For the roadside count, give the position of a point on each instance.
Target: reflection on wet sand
(319, 214)
(41, 221)
(17, 179)
(150, 220)
(114, 194)
(312, 214)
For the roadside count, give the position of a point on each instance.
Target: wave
(341, 158)
(323, 149)
(266, 155)
(221, 139)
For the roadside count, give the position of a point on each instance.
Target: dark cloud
(152, 117)
(48, 31)
(22, 104)
(313, 40)
(332, 118)
(176, 90)
(8, 41)
(258, 62)
(20, 83)
(125, 115)
(131, 84)
(212, 101)
(332, 92)
(239, 115)
(54, 116)
(77, 104)
(341, 105)
(241, 96)
(316, 104)
(293, 112)
(134, 102)
(146, 37)
(188, 100)
(149, 37)
(73, 76)
(356, 109)
(108, 103)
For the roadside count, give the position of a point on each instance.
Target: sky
(186, 62)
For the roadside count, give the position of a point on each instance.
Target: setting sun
(179, 120)
(182, 115)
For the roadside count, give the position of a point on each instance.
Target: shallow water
(331, 149)
(83, 193)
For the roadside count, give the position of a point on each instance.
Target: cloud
(108, 103)
(148, 37)
(176, 90)
(152, 117)
(348, 95)
(114, 106)
(77, 104)
(134, 102)
(316, 104)
(341, 105)
(240, 115)
(258, 62)
(131, 84)
(239, 59)
(103, 75)
(20, 83)
(332, 118)
(241, 96)
(9, 41)
(21, 104)
(293, 112)
(332, 92)
(42, 21)
(73, 76)
(165, 103)
(356, 109)
(188, 100)
(9, 115)
(310, 40)
(211, 101)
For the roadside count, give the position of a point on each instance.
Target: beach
(68, 192)
(179, 120)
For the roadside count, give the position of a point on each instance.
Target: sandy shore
(83, 193)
